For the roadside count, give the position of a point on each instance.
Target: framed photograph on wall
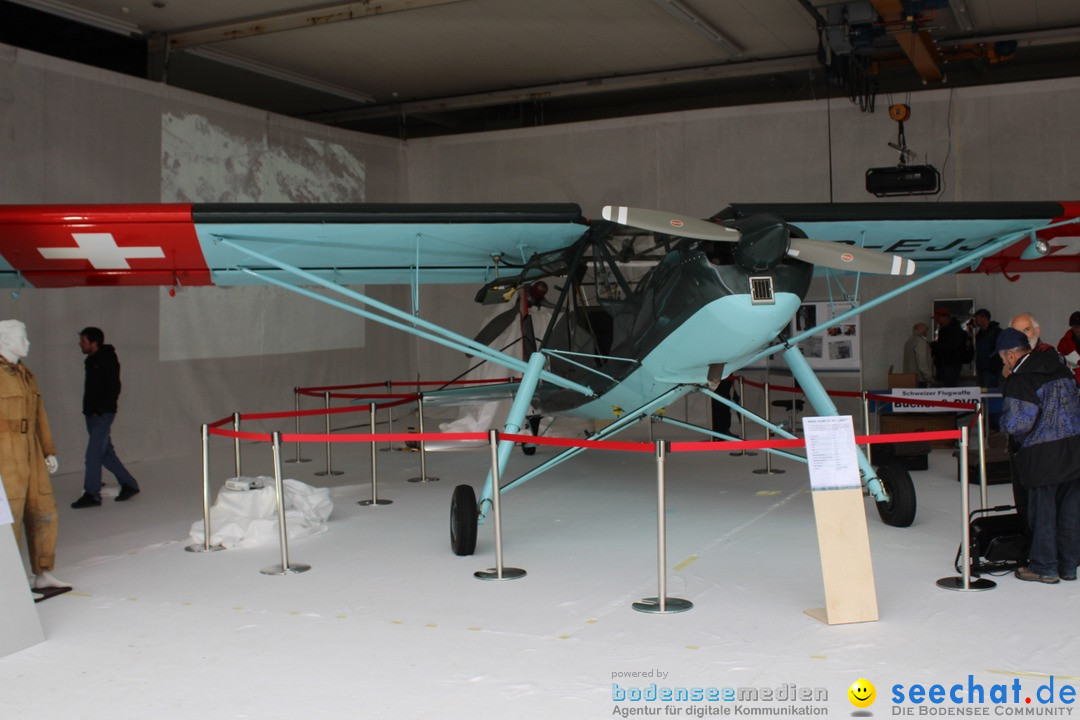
(839, 347)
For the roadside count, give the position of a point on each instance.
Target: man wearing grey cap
(1041, 413)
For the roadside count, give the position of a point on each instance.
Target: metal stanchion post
(964, 582)
(374, 467)
(768, 469)
(285, 568)
(390, 414)
(206, 546)
(423, 453)
(982, 453)
(328, 470)
(297, 459)
(661, 603)
(236, 441)
(742, 421)
(866, 425)
(498, 572)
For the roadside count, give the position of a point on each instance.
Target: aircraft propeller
(763, 241)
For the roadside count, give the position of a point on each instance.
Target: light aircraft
(720, 297)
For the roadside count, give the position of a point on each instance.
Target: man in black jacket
(988, 365)
(1041, 413)
(949, 349)
(100, 394)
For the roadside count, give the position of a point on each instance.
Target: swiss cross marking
(102, 252)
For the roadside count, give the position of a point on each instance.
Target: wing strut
(423, 329)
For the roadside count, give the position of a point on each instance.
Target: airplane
(720, 297)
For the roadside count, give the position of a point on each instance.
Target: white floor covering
(389, 624)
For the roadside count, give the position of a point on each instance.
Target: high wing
(933, 234)
(174, 244)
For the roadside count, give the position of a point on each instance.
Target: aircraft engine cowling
(765, 241)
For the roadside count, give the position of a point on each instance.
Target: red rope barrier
(311, 391)
(682, 446)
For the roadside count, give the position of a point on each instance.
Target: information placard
(830, 452)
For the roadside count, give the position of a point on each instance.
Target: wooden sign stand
(844, 545)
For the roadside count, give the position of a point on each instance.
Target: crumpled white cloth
(242, 518)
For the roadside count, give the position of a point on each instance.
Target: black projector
(903, 180)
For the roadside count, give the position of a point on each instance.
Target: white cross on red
(102, 251)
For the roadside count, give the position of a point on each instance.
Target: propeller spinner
(763, 241)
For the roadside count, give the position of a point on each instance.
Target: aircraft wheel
(899, 511)
(463, 520)
(528, 449)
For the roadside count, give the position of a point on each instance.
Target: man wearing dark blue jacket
(101, 393)
(1041, 413)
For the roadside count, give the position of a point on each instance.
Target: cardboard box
(902, 380)
(919, 422)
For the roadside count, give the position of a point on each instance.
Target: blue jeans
(100, 453)
(1054, 514)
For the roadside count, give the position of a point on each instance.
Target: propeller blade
(841, 256)
(669, 223)
(497, 325)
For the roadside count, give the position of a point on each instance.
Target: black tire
(899, 511)
(464, 518)
(528, 449)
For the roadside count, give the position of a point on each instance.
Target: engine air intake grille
(761, 290)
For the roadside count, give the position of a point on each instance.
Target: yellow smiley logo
(862, 693)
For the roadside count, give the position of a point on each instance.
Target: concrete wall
(73, 134)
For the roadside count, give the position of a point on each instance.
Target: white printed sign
(942, 394)
(830, 453)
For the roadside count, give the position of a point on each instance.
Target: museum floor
(389, 624)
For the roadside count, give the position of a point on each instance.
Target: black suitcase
(998, 543)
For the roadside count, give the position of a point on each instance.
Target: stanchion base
(768, 471)
(380, 501)
(423, 479)
(671, 605)
(493, 574)
(743, 453)
(203, 548)
(324, 473)
(297, 460)
(974, 585)
(293, 569)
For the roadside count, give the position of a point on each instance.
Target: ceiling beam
(571, 89)
(916, 44)
(266, 24)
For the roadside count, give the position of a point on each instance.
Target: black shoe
(87, 500)
(126, 493)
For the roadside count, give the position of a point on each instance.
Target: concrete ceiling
(411, 68)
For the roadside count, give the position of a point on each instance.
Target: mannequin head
(13, 342)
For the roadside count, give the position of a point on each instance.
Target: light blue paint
(383, 253)
(726, 329)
